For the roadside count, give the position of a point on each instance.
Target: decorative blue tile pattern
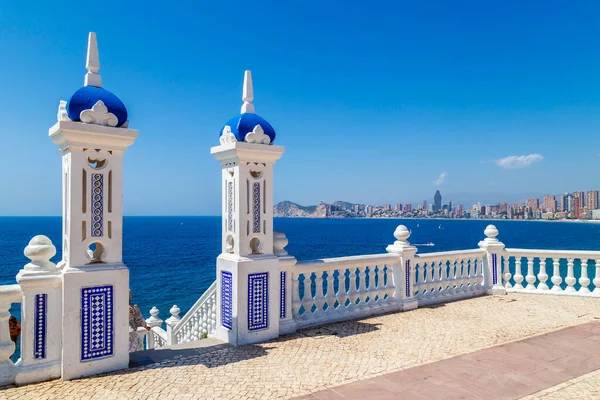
(230, 206)
(226, 299)
(258, 301)
(97, 330)
(282, 295)
(494, 272)
(256, 207)
(39, 328)
(97, 204)
(407, 278)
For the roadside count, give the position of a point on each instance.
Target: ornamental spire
(248, 93)
(92, 77)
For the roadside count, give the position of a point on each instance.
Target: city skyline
(463, 105)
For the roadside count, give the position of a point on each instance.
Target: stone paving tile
(583, 387)
(324, 357)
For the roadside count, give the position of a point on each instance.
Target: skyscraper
(549, 204)
(580, 195)
(592, 200)
(437, 201)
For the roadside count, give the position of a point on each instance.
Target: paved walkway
(317, 359)
(509, 371)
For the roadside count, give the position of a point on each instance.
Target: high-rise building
(437, 201)
(399, 207)
(450, 206)
(549, 204)
(424, 204)
(580, 195)
(387, 207)
(592, 200)
(562, 202)
(408, 207)
(533, 204)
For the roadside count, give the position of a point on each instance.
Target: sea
(172, 259)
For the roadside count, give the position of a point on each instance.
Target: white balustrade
(8, 294)
(447, 276)
(199, 322)
(364, 285)
(576, 266)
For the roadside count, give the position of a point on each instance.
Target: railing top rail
(160, 332)
(11, 293)
(325, 264)
(211, 289)
(454, 254)
(554, 253)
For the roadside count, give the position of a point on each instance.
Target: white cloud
(441, 179)
(514, 162)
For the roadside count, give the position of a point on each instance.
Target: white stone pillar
(492, 268)
(95, 320)
(404, 272)
(41, 314)
(286, 266)
(172, 322)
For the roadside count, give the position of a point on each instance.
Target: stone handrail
(450, 275)
(159, 337)
(200, 321)
(335, 289)
(561, 271)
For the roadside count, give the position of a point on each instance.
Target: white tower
(248, 280)
(92, 136)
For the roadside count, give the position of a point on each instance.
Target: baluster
(597, 278)
(319, 294)
(342, 294)
(479, 281)
(352, 293)
(296, 295)
(584, 281)
(362, 283)
(430, 271)
(471, 275)
(387, 282)
(423, 281)
(309, 300)
(375, 285)
(570, 279)
(435, 287)
(556, 278)
(542, 276)
(330, 296)
(506, 270)
(460, 280)
(213, 313)
(518, 276)
(530, 278)
(371, 289)
(444, 278)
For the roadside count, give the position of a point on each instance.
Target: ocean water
(172, 259)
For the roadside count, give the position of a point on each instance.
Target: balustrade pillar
(507, 274)
(542, 276)
(570, 279)
(319, 293)
(530, 278)
(556, 278)
(491, 267)
(153, 321)
(172, 322)
(584, 281)
(404, 272)
(41, 315)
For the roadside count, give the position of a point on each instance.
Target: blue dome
(244, 123)
(87, 96)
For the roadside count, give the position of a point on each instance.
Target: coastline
(575, 221)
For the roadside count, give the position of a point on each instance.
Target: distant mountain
(339, 209)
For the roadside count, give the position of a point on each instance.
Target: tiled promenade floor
(508, 371)
(338, 354)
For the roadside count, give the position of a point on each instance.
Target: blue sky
(373, 101)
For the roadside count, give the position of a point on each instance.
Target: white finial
(248, 94)
(92, 78)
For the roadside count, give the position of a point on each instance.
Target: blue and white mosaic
(407, 278)
(494, 271)
(226, 299)
(256, 207)
(230, 206)
(97, 204)
(282, 295)
(39, 329)
(97, 330)
(258, 301)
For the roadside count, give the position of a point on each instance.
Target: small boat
(440, 227)
(428, 244)
(417, 225)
